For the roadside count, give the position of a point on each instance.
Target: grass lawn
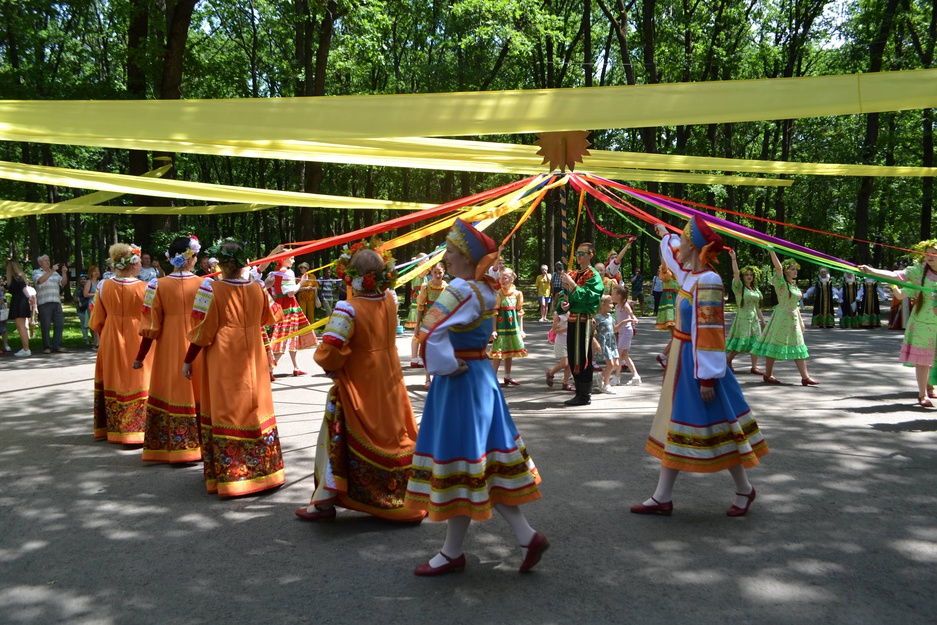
(71, 335)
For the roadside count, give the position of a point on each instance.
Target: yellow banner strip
(180, 189)
(474, 113)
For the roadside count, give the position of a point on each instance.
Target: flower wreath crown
(369, 281)
(239, 256)
(178, 261)
(126, 261)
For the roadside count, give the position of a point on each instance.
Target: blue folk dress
(469, 455)
(689, 434)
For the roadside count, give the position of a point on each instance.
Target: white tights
(457, 528)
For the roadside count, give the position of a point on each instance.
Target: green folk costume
(666, 311)
(508, 344)
(783, 338)
(583, 304)
(746, 329)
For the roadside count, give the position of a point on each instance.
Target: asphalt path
(844, 529)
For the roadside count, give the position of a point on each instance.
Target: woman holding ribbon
(703, 423)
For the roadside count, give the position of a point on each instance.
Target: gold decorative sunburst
(563, 150)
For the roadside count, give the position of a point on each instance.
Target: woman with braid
(920, 338)
(783, 338)
(749, 322)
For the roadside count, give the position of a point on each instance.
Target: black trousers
(579, 348)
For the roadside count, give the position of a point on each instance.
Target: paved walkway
(844, 529)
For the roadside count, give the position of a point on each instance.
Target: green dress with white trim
(746, 329)
(783, 339)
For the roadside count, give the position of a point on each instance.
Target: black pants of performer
(657, 297)
(579, 348)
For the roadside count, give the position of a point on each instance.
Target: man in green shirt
(583, 290)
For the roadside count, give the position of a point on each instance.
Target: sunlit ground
(844, 529)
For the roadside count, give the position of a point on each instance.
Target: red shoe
(734, 510)
(569, 387)
(511, 382)
(550, 375)
(930, 392)
(298, 372)
(535, 548)
(318, 515)
(770, 379)
(660, 360)
(924, 402)
(416, 364)
(756, 371)
(273, 378)
(663, 509)
(809, 382)
(452, 565)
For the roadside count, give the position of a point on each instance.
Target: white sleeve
(810, 291)
(612, 267)
(462, 306)
(668, 254)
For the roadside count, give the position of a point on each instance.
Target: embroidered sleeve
(98, 312)
(203, 299)
(668, 254)
(456, 305)
(152, 317)
(709, 338)
(149, 295)
(274, 313)
(341, 324)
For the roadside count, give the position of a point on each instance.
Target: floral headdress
(788, 263)
(179, 260)
(921, 248)
(369, 281)
(756, 274)
(132, 259)
(239, 256)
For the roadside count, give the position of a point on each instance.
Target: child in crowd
(509, 333)
(625, 329)
(604, 346)
(416, 286)
(543, 292)
(428, 296)
(560, 351)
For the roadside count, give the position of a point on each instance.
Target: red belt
(579, 317)
(472, 354)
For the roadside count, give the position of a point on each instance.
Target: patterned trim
(444, 307)
(710, 318)
(203, 299)
(150, 295)
(340, 325)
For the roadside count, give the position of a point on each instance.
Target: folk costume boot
(582, 396)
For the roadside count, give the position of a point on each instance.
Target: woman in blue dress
(703, 423)
(469, 457)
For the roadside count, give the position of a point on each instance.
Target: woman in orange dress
(240, 444)
(120, 391)
(172, 408)
(368, 432)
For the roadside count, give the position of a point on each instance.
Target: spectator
(19, 304)
(49, 283)
(543, 291)
(556, 283)
(204, 266)
(637, 287)
(657, 290)
(306, 295)
(326, 294)
(4, 314)
(87, 292)
(148, 271)
(82, 306)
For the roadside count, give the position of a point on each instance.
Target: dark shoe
(663, 509)
(569, 387)
(734, 510)
(809, 382)
(452, 565)
(578, 400)
(535, 548)
(47, 351)
(756, 371)
(318, 515)
(550, 375)
(770, 379)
